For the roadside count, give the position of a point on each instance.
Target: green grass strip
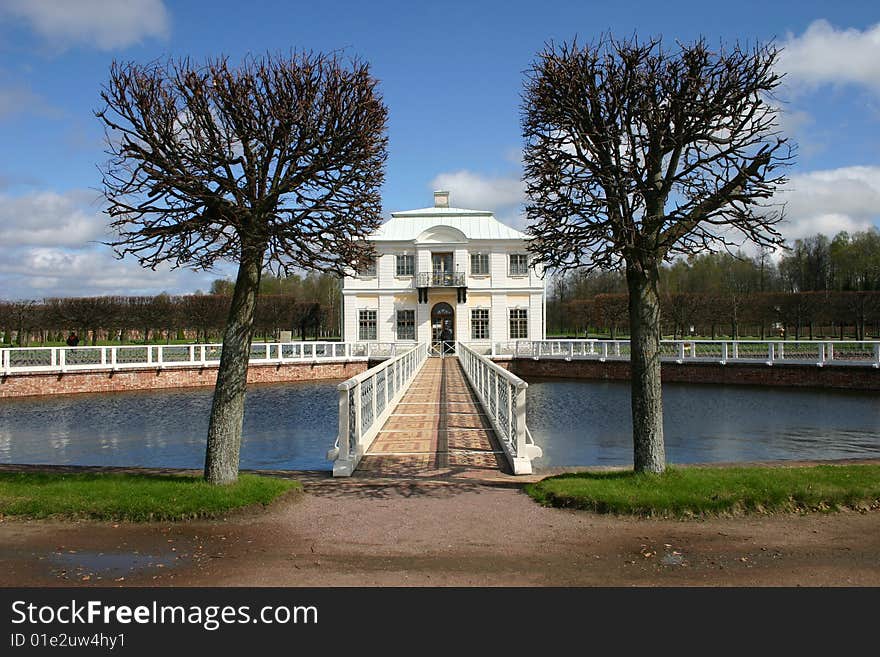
(682, 492)
(136, 497)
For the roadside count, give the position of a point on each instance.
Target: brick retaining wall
(838, 376)
(25, 385)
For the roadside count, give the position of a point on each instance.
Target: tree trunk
(647, 402)
(227, 410)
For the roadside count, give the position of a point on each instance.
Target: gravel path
(363, 532)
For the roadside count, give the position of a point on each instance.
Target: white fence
(791, 352)
(366, 401)
(25, 360)
(503, 398)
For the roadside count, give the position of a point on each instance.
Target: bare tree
(275, 164)
(635, 154)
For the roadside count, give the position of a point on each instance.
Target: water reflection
(291, 426)
(589, 423)
(286, 426)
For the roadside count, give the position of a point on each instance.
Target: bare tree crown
(280, 156)
(636, 154)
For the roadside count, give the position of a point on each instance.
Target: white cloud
(824, 54)
(47, 218)
(39, 272)
(105, 24)
(831, 200)
(50, 245)
(475, 191)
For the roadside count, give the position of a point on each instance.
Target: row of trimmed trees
(795, 315)
(197, 317)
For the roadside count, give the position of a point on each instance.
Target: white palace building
(444, 273)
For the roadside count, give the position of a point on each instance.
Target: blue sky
(451, 74)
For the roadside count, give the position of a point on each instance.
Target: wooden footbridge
(415, 415)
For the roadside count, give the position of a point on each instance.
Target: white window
(406, 324)
(479, 324)
(519, 264)
(519, 324)
(366, 324)
(479, 264)
(405, 264)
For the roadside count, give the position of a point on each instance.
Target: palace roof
(473, 224)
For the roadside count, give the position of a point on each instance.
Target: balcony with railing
(441, 279)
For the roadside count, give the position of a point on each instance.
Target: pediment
(441, 235)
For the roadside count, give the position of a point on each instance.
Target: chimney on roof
(441, 199)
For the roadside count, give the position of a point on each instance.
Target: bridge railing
(24, 360)
(503, 398)
(792, 352)
(366, 401)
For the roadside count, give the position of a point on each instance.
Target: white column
(498, 328)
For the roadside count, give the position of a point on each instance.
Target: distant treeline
(199, 318)
(796, 315)
(820, 287)
(307, 306)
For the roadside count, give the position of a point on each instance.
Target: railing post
(373, 400)
(520, 438)
(113, 357)
(770, 353)
(344, 426)
(53, 358)
(604, 353)
(62, 359)
(511, 391)
(780, 352)
(192, 354)
(6, 360)
(735, 350)
(103, 355)
(723, 353)
(202, 354)
(821, 354)
(160, 354)
(149, 355)
(357, 416)
(617, 347)
(570, 350)
(830, 351)
(877, 354)
(681, 352)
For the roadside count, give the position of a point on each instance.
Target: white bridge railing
(366, 401)
(791, 352)
(503, 398)
(25, 360)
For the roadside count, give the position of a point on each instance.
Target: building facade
(444, 273)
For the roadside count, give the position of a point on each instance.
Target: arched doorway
(442, 328)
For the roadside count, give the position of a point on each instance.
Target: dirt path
(443, 533)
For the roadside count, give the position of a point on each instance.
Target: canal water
(291, 426)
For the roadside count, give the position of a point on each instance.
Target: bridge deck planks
(437, 428)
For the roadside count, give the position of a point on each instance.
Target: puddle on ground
(86, 565)
(674, 559)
